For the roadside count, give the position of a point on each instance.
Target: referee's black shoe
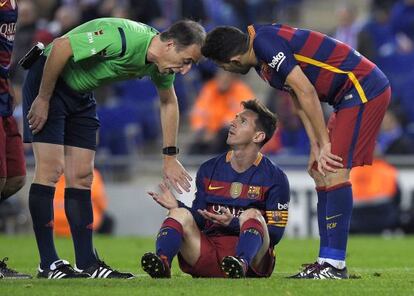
(100, 270)
(60, 269)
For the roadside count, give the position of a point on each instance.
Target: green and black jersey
(110, 49)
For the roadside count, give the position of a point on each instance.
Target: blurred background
(128, 161)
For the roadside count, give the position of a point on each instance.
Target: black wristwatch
(170, 150)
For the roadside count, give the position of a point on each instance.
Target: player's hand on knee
(165, 198)
(38, 114)
(176, 175)
(328, 161)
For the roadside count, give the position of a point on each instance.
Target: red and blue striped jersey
(263, 186)
(341, 76)
(8, 19)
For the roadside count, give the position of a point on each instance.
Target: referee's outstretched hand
(37, 115)
(175, 174)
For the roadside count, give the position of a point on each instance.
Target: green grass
(386, 267)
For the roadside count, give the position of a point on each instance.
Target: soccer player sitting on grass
(239, 212)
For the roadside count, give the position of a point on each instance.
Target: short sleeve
(162, 81)
(277, 202)
(274, 51)
(105, 41)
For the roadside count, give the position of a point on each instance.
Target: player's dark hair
(266, 120)
(185, 33)
(225, 42)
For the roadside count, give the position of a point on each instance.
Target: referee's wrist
(170, 150)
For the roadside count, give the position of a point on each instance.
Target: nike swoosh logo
(332, 217)
(215, 187)
(3, 3)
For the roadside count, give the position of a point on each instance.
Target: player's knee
(13, 185)
(333, 179)
(48, 174)
(80, 179)
(251, 214)
(182, 215)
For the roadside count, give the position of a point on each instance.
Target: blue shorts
(72, 118)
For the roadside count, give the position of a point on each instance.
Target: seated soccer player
(239, 212)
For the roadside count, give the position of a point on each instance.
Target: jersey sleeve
(162, 81)
(105, 41)
(277, 208)
(275, 52)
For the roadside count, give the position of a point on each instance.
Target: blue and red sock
(250, 240)
(321, 210)
(338, 217)
(169, 239)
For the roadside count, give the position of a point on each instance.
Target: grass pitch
(385, 267)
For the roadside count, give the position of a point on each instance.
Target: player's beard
(241, 70)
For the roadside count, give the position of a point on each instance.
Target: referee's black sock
(78, 208)
(41, 210)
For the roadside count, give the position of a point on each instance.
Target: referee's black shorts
(72, 118)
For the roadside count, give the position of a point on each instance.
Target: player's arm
(174, 172)
(277, 208)
(58, 57)
(309, 131)
(309, 102)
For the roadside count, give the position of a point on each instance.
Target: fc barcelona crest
(236, 189)
(254, 192)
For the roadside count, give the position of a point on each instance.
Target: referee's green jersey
(110, 49)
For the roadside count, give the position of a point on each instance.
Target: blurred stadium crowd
(208, 98)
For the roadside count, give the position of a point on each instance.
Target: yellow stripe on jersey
(351, 75)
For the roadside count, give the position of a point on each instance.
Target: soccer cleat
(156, 266)
(307, 269)
(100, 270)
(8, 273)
(60, 269)
(233, 267)
(327, 271)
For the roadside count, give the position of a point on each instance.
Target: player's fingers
(172, 182)
(328, 168)
(336, 157)
(320, 169)
(203, 214)
(187, 176)
(184, 184)
(163, 186)
(33, 123)
(41, 124)
(151, 193)
(334, 163)
(176, 187)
